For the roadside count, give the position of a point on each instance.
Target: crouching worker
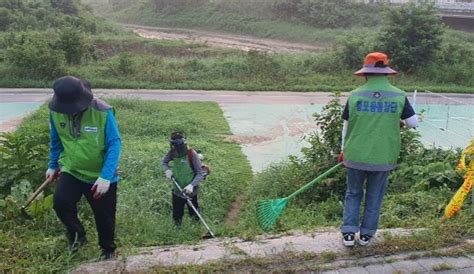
(85, 146)
(187, 171)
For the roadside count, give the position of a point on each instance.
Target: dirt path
(241, 42)
(10, 125)
(232, 215)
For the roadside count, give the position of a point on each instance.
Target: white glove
(188, 189)
(51, 174)
(200, 156)
(100, 187)
(169, 173)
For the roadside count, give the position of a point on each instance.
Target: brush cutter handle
(37, 192)
(176, 184)
(318, 179)
(190, 203)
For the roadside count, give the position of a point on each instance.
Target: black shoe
(75, 241)
(364, 240)
(348, 239)
(107, 255)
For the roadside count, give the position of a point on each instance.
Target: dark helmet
(178, 144)
(71, 95)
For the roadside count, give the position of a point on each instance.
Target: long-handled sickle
(32, 197)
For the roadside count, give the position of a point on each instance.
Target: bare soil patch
(10, 125)
(248, 139)
(241, 42)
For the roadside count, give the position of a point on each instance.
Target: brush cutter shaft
(36, 193)
(318, 179)
(190, 203)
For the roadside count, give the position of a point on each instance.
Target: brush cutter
(36, 193)
(190, 203)
(268, 211)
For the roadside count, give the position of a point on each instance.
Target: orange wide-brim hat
(371, 60)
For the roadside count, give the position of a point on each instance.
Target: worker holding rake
(85, 146)
(371, 144)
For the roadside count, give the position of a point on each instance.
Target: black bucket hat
(71, 95)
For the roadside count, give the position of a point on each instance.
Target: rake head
(268, 212)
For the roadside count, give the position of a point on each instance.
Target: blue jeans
(376, 185)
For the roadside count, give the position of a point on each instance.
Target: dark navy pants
(178, 208)
(68, 193)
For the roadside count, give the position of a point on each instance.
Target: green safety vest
(373, 135)
(84, 149)
(182, 171)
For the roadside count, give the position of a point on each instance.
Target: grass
(442, 267)
(144, 197)
(264, 18)
(123, 60)
(205, 19)
(144, 201)
(177, 65)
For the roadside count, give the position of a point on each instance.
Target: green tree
(6, 18)
(72, 42)
(65, 6)
(33, 55)
(411, 35)
(11, 4)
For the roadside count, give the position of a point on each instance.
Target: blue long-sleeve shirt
(113, 146)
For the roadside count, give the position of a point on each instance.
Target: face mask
(179, 146)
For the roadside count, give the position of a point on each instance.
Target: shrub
(411, 35)
(264, 66)
(6, 18)
(122, 64)
(65, 6)
(354, 49)
(24, 156)
(72, 43)
(326, 14)
(325, 145)
(34, 56)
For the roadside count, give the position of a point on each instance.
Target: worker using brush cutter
(85, 145)
(187, 170)
(371, 144)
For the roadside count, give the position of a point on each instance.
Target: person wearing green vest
(372, 118)
(85, 149)
(186, 168)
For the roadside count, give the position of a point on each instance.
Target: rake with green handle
(268, 211)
